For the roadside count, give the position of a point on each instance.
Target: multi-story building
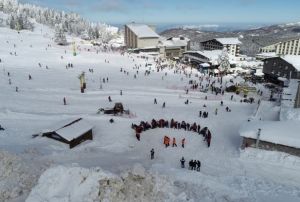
(140, 36)
(287, 66)
(174, 47)
(231, 44)
(286, 47)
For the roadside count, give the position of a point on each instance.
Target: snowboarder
(155, 101)
(183, 142)
(65, 102)
(152, 154)
(174, 142)
(182, 161)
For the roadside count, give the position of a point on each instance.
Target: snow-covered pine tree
(60, 37)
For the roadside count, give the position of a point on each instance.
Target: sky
(180, 11)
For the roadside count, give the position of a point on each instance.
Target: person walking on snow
(152, 154)
(164, 105)
(109, 99)
(65, 102)
(183, 142)
(216, 111)
(155, 101)
(174, 142)
(208, 138)
(198, 165)
(182, 161)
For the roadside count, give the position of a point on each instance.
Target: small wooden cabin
(71, 132)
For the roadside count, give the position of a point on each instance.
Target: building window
(286, 67)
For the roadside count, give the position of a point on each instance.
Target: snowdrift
(78, 184)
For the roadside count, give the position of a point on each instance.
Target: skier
(164, 105)
(216, 111)
(183, 142)
(182, 161)
(65, 102)
(17, 89)
(29, 77)
(152, 154)
(200, 113)
(155, 101)
(121, 93)
(109, 99)
(174, 142)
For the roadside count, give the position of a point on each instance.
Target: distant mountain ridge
(252, 39)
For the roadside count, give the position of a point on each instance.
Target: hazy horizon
(180, 12)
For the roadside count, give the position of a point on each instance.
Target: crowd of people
(162, 123)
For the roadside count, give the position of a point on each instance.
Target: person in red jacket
(174, 142)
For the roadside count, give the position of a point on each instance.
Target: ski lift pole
(257, 138)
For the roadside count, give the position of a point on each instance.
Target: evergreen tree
(60, 37)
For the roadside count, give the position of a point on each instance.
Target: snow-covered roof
(225, 41)
(74, 130)
(277, 132)
(175, 42)
(266, 55)
(70, 129)
(293, 60)
(205, 65)
(142, 31)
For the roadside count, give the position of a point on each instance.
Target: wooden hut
(71, 132)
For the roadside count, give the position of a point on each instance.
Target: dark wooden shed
(71, 132)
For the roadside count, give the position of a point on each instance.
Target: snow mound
(81, 184)
(16, 177)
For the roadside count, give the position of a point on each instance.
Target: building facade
(288, 47)
(174, 47)
(231, 44)
(286, 67)
(140, 36)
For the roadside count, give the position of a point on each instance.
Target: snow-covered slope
(38, 104)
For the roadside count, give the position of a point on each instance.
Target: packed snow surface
(224, 175)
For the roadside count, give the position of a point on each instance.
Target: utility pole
(257, 139)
